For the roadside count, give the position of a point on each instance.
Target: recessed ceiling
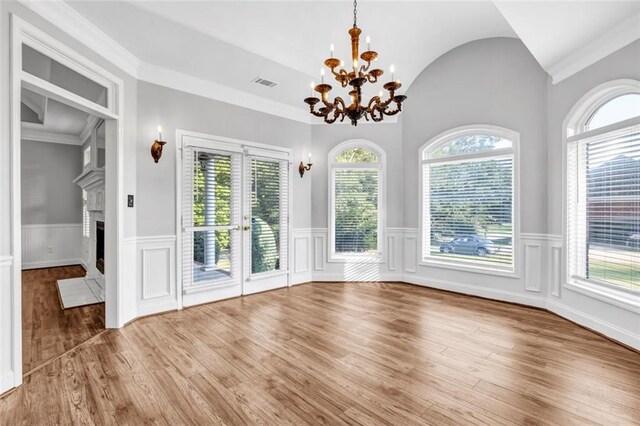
(230, 43)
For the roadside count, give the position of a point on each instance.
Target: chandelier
(358, 76)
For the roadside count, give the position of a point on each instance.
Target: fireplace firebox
(100, 246)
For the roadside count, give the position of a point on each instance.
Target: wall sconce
(302, 168)
(156, 148)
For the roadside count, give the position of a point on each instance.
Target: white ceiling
(232, 42)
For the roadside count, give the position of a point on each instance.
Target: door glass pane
(41, 66)
(265, 216)
(212, 206)
(211, 255)
(212, 190)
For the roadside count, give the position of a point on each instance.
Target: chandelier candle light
(376, 108)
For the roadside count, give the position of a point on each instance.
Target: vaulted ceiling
(232, 42)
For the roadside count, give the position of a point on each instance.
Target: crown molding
(80, 28)
(63, 16)
(197, 86)
(44, 136)
(612, 41)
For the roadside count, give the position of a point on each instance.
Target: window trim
(424, 239)
(574, 130)
(381, 165)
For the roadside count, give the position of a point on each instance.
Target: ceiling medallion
(377, 107)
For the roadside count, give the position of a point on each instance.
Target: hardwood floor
(47, 330)
(356, 353)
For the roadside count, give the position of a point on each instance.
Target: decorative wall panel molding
(391, 252)
(410, 251)
(51, 245)
(555, 269)
(533, 266)
(301, 252)
(157, 288)
(319, 252)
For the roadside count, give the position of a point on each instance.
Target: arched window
(603, 188)
(468, 207)
(356, 201)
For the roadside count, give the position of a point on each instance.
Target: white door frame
(247, 147)
(25, 33)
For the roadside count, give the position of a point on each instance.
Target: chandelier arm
(375, 100)
(336, 114)
(379, 116)
(388, 101)
(339, 102)
(393, 112)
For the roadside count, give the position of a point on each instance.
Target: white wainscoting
(51, 245)
(538, 282)
(301, 250)
(156, 260)
(310, 259)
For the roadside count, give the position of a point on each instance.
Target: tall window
(356, 200)
(603, 192)
(468, 198)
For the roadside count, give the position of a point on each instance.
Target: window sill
(620, 298)
(354, 258)
(466, 267)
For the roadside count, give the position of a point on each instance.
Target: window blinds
(469, 210)
(355, 210)
(268, 189)
(603, 206)
(211, 208)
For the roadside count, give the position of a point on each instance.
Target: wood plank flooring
(47, 330)
(355, 353)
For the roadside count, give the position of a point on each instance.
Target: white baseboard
(488, 293)
(52, 263)
(612, 331)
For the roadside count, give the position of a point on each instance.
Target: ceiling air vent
(265, 82)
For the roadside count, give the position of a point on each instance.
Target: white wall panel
(301, 263)
(533, 266)
(51, 245)
(157, 290)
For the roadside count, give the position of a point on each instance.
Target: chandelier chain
(355, 13)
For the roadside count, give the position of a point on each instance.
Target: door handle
(236, 228)
(246, 227)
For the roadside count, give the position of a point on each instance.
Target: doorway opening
(62, 103)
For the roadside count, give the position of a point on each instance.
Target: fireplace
(100, 246)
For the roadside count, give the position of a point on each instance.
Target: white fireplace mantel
(92, 181)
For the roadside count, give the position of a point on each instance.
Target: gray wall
(625, 63)
(493, 81)
(325, 137)
(49, 195)
(173, 110)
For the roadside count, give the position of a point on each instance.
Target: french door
(235, 219)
